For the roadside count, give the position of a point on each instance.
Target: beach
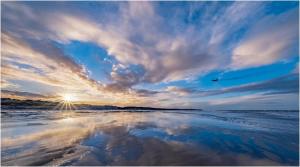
(106, 137)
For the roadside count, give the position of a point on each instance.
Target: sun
(67, 101)
(68, 98)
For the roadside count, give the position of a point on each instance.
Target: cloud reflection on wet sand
(154, 138)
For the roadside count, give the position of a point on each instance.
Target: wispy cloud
(271, 39)
(49, 66)
(24, 95)
(282, 85)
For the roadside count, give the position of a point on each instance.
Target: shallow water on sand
(149, 137)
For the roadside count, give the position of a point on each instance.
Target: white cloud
(271, 39)
(178, 90)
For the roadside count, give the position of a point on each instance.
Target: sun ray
(57, 106)
(62, 106)
(67, 106)
(66, 103)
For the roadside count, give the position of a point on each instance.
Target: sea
(146, 137)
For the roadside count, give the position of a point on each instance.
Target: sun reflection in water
(68, 120)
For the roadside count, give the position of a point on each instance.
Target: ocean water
(34, 137)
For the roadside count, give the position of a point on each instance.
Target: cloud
(288, 84)
(234, 17)
(23, 95)
(7, 85)
(124, 78)
(40, 63)
(285, 84)
(179, 91)
(271, 39)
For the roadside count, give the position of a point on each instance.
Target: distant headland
(10, 104)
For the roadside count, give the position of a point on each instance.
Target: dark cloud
(145, 92)
(288, 83)
(282, 85)
(127, 76)
(20, 94)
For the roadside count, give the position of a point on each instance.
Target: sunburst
(66, 102)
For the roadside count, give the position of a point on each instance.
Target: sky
(155, 54)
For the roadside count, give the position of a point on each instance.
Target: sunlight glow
(68, 120)
(68, 98)
(66, 102)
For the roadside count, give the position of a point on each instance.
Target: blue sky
(158, 54)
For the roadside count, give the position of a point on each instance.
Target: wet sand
(149, 138)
